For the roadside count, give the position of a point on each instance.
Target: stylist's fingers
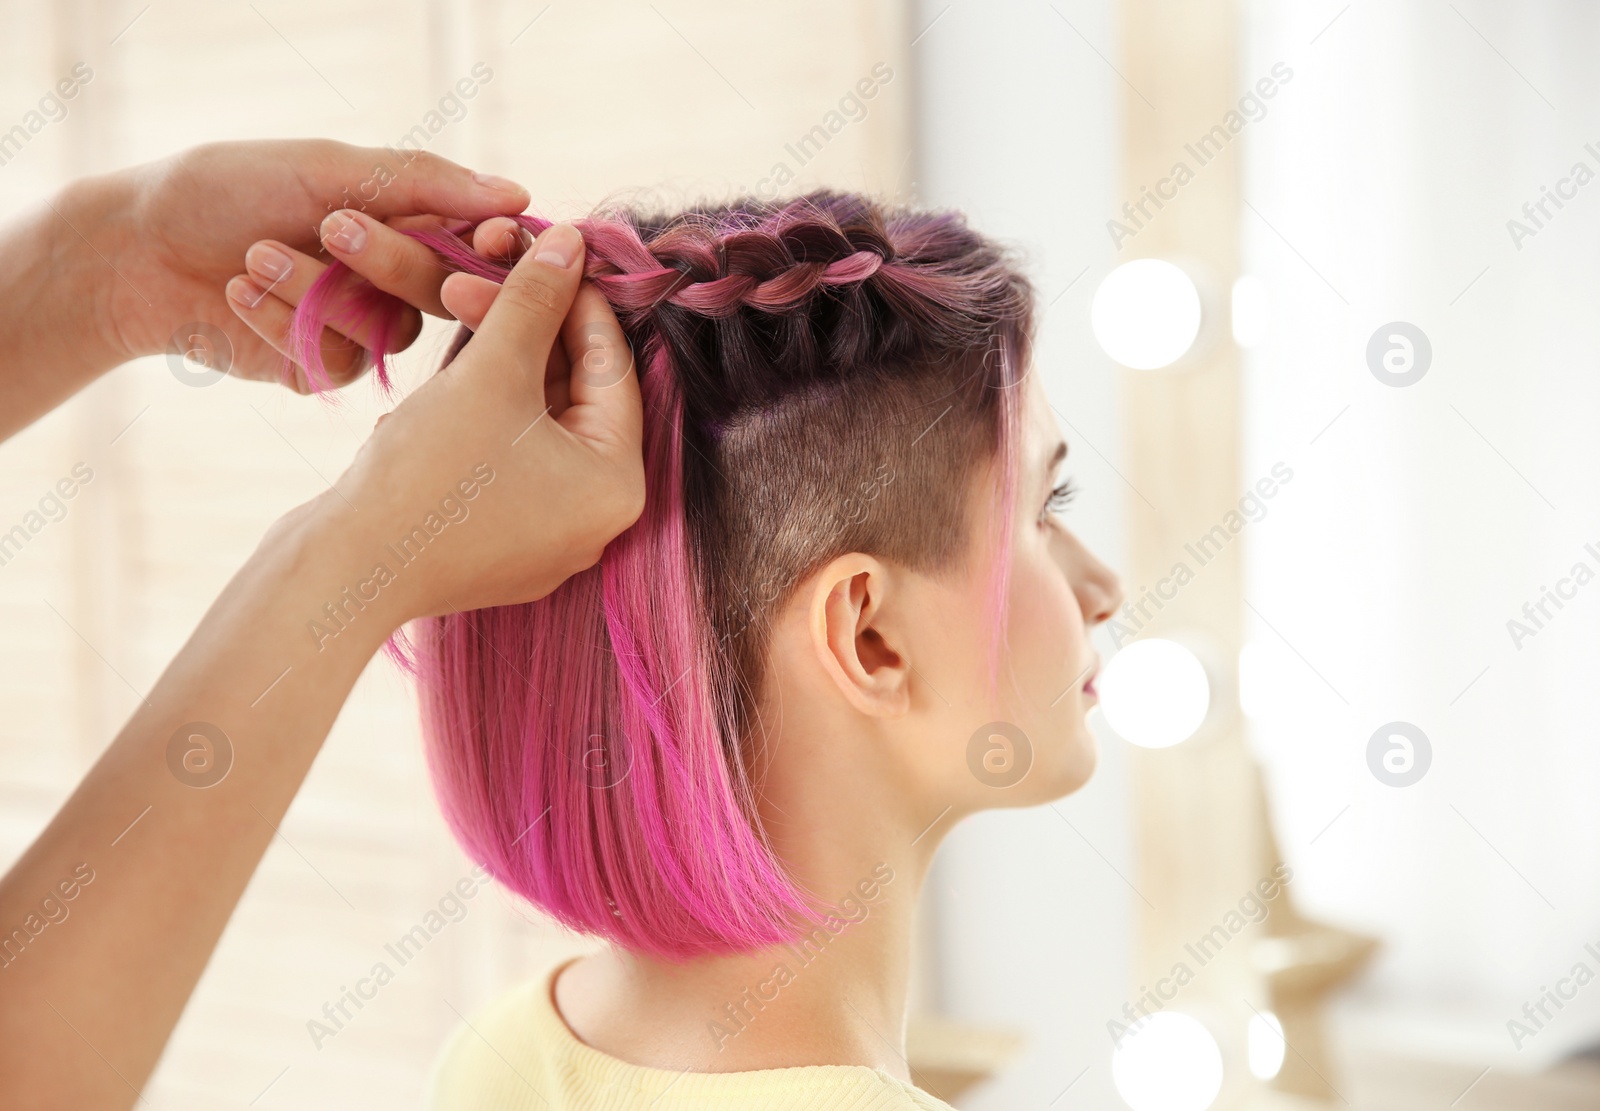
(390, 260)
(269, 317)
(287, 274)
(467, 297)
(501, 237)
(525, 319)
(604, 383)
(424, 182)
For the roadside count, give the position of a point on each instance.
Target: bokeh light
(1168, 1062)
(1264, 1039)
(1146, 314)
(1154, 693)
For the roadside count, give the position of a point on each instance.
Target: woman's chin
(1062, 764)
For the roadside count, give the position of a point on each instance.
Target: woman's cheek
(1047, 640)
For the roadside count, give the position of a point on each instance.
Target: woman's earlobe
(853, 646)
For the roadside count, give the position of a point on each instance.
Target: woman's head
(843, 455)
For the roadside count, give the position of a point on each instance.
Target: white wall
(1018, 129)
(1423, 519)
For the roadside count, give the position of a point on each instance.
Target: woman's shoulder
(495, 1056)
(917, 1100)
(517, 1054)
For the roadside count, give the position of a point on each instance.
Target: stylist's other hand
(177, 232)
(513, 467)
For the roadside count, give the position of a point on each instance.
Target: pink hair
(590, 748)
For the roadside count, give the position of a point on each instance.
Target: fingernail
(245, 292)
(266, 261)
(559, 245)
(497, 183)
(341, 230)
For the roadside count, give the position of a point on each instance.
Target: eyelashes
(1061, 497)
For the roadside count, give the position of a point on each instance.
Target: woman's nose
(1100, 594)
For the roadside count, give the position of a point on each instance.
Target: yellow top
(519, 1055)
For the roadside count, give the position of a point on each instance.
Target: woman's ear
(859, 646)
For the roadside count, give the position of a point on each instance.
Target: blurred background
(1316, 288)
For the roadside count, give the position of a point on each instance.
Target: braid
(697, 266)
(790, 284)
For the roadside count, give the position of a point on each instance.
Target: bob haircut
(820, 375)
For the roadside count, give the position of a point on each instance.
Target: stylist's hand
(178, 232)
(506, 472)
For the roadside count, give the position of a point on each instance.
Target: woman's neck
(854, 836)
(835, 995)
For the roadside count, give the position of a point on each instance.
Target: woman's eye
(1060, 497)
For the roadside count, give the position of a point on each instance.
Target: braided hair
(820, 375)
